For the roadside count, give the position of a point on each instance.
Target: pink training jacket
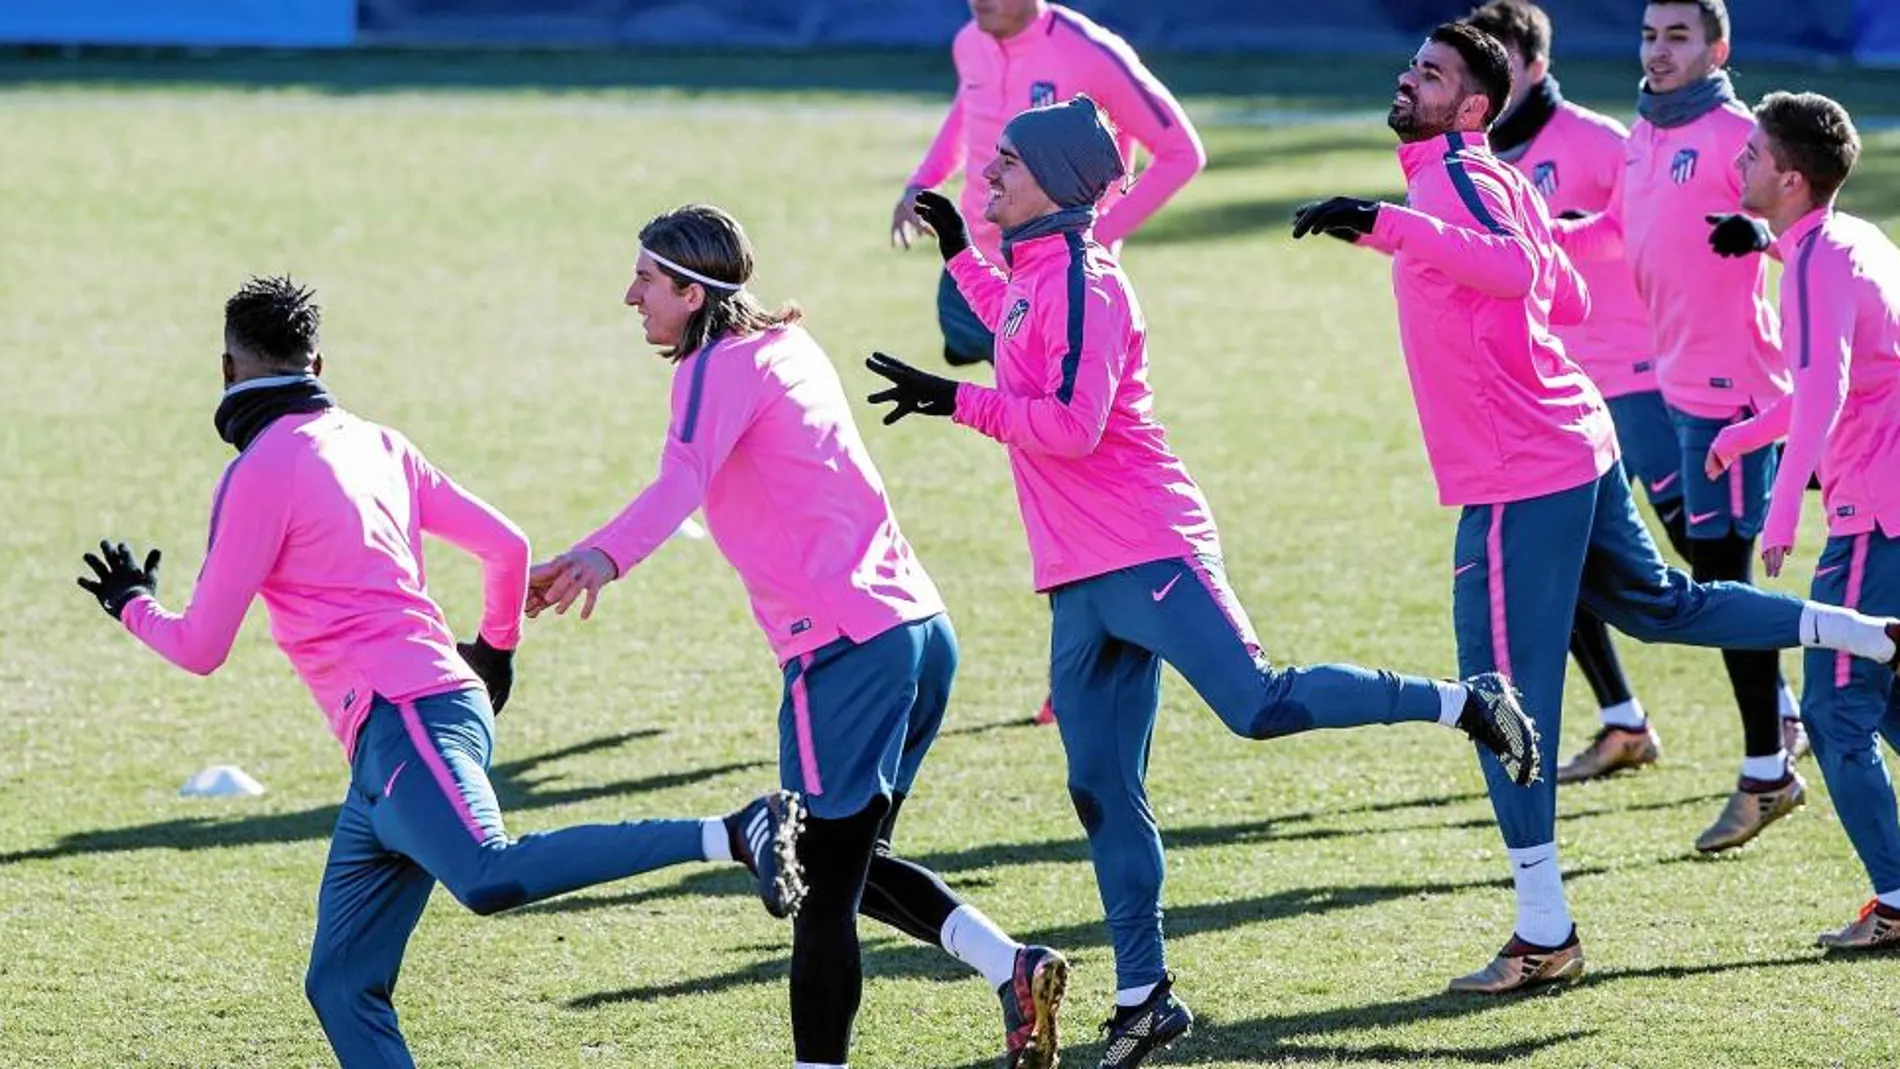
(1840, 301)
(1058, 56)
(762, 436)
(1097, 485)
(323, 515)
(1718, 343)
(1506, 415)
(1574, 162)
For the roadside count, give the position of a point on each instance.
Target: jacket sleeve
(1826, 334)
(945, 155)
(1142, 107)
(1595, 237)
(250, 520)
(1087, 343)
(1570, 304)
(458, 517)
(1492, 255)
(714, 401)
(981, 284)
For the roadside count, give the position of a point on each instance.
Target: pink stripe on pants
(1494, 574)
(1856, 570)
(438, 768)
(801, 723)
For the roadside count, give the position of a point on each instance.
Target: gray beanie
(1068, 150)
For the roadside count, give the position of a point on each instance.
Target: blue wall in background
(271, 23)
(1765, 29)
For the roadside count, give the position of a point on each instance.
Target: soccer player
(322, 514)
(1718, 358)
(1840, 301)
(1016, 54)
(1574, 156)
(1520, 440)
(763, 437)
(1122, 540)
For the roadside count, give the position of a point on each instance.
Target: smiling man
(1122, 541)
(1520, 440)
(1718, 354)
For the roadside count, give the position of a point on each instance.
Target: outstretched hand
(943, 219)
(911, 389)
(576, 574)
(116, 580)
(1345, 218)
(1734, 234)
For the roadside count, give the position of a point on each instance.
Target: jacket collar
(1415, 156)
(1796, 234)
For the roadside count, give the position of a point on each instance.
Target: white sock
(817, 1065)
(976, 941)
(1771, 768)
(1451, 703)
(1543, 917)
(1134, 996)
(1890, 899)
(1790, 708)
(1831, 627)
(714, 840)
(1627, 714)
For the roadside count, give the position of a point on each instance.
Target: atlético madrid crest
(1682, 168)
(1013, 322)
(1042, 94)
(1544, 177)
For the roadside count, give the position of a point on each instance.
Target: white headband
(731, 287)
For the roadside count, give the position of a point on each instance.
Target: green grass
(471, 251)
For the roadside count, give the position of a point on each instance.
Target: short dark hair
(1486, 64)
(707, 240)
(275, 320)
(1714, 16)
(1519, 25)
(1812, 136)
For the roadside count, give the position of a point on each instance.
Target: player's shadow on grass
(1233, 220)
(1232, 148)
(910, 960)
(520, 785)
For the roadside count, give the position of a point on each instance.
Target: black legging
(849, 868)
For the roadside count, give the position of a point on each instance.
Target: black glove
(913, 390)
(953, 235)
(1738, 235)
(119, 580)
(1346, 218)
(495, 667)
(1573, 213)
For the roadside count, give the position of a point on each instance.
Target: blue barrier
(1764, 29)
(1877, 32)
(208, 23)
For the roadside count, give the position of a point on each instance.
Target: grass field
(470, 238)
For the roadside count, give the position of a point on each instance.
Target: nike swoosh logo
(1829, 570)
(1665, 483)
(1699, 517)
(1462, 570)
(1163, 592)
(1532, 864)
(391, 785)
